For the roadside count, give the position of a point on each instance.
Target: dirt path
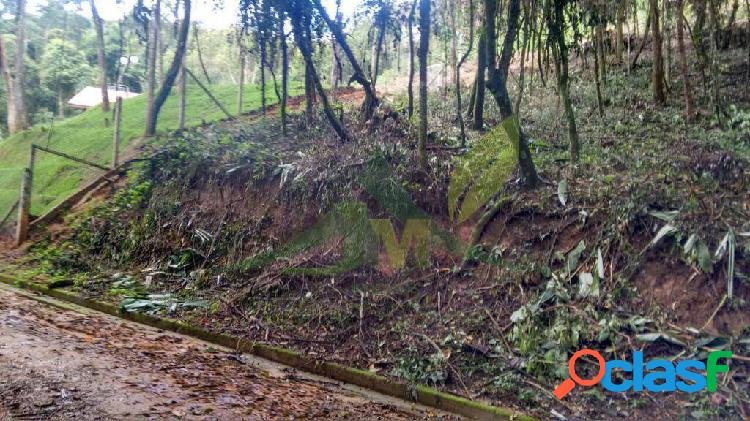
(62, 364)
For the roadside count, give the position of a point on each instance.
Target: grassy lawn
(86, 136)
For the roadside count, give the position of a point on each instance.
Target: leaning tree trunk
(498, 81)
(371, 99)
(304, 44)
(658, 62)
(424, 47)
(687, 89)
(171, 76)
(100, 58)
(412, 67)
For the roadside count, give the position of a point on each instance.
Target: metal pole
(116, 137)
(22, 227)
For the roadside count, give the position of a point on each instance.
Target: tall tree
(556, 24)
(687, 89)
(371, 99)
(100, 56)
(412, 66)
(424, 47)
(658, 64)
(498, 75)
(171, 75)
(336, 67)
(480, 83)
(14, 78)
(460, 63)
(297, 10)
(153, 51)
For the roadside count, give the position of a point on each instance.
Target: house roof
(91, 96)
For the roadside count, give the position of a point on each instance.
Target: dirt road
(71, 363)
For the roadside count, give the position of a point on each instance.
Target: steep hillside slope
(87, 136)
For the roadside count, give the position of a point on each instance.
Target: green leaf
(704, 258)
(656, 336)
(574, 256)
(599, 263)
(666, 216)
(562, 192)
(690, 243)
(665, 231)
(588, 285)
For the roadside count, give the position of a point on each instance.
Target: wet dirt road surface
(60, 364)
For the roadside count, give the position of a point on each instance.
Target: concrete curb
(420, 394)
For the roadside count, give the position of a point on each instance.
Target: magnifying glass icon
(568, 384)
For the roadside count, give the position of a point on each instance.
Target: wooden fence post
(116, 137)
(22, 227)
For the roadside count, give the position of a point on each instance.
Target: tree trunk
(619, 38)
(600, 50)
(60, 103)
(699, 44)
(658, 64)
(410, 88)
(556, 24)
(19, 70)
(599, 101)
(459, 110)
(687, 89)
(371, 99)
(304, 44)
(151, 63)
(478, 122)
(730, 24)
(524, 47)
(424, 48)
(498, 81)
(716, 101)
(284, 73)
(171, 75)
(376, 53)
(183, 96)
(241, 90)
(101, 60)
(263, 64)
(9, 98)
(200, 54)
(336, 68)
(667, 44)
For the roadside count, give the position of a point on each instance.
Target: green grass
(87, 137)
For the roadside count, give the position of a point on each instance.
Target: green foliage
(416, 368)
(64, 67)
